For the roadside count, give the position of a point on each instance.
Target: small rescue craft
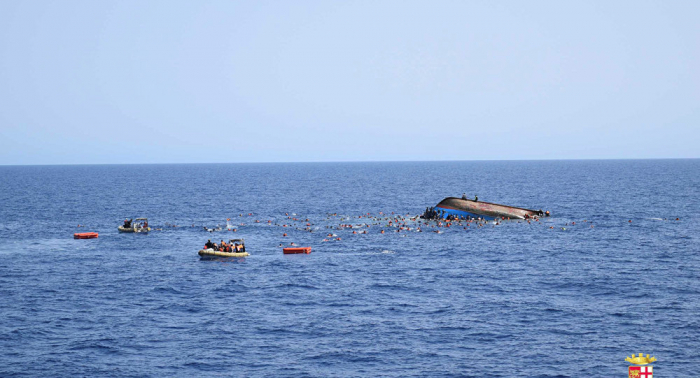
(234, 248)
(137, 225)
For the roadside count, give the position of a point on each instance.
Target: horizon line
(350, 161)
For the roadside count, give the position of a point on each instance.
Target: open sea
(610, 273)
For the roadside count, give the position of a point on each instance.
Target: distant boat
(138, 225)
(486, 210)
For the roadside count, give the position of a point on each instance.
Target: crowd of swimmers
(431, 213)
(225, 247)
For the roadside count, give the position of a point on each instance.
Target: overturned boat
(461, 207)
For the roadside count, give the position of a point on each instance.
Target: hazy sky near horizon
(85, 82)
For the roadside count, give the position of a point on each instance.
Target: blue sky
(88, 82)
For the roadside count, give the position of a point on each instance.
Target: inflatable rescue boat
(236, 248)
(212, 253)
(137, 225)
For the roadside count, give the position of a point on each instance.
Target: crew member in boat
(209, 244)
(464, 196)
(476, 198)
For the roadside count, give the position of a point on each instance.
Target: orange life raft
(85, 235)
(295, 250)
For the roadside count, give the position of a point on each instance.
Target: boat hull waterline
(134, 230)
(213, 253)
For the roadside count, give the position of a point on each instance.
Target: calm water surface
(509, 300)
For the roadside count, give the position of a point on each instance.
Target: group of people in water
(225, 247)
(431, 213)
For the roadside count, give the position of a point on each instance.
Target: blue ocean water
(539, 299)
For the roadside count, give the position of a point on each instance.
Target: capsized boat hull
(486, 210)
(213, 253)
